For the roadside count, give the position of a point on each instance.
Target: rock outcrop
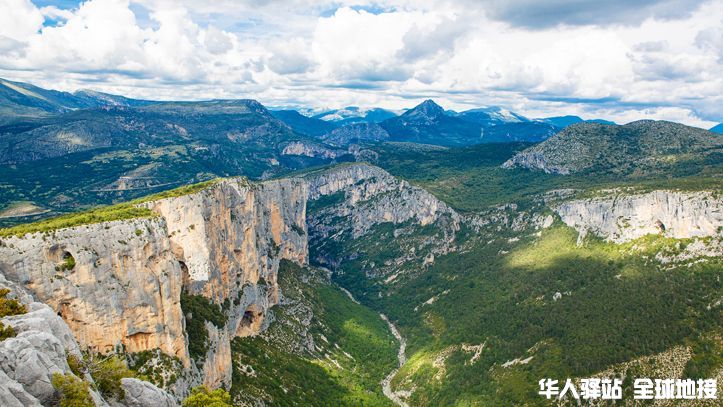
(139, 393)
(310, 150)
(40, 348)
(535, 160)
(122, 289)
(620, 217)
(372, 196)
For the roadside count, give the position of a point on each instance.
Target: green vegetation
(198, 309)
(74, 392)
(201, 397)
(68, 262)
(103, 214)
(576, 310)
(356, 349)
(10, 306)
(615, 304)
(156, 367)
(107, 372)
(707, 357)
(6, 332)
(637, 149)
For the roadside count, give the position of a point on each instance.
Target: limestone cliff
(351, 201)
(40, 348)
(620, 217)
(122, 289)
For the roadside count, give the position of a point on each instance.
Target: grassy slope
(366, 350)
(127, 210)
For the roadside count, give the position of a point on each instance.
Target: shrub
(198, 310)
(73, 391)
(202, 397)
(107, 373)
(77, 365)
(10, 306)
(6, 332)
(68, 262)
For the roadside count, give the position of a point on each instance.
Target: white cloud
(644, 60)
(19, 19)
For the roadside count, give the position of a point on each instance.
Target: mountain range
(64, 151)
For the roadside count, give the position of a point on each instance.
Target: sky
(621, 60)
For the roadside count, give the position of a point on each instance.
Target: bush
(6, 332)
(10, 306)
(73, 391)
(68, 262)
(201, 397)
(77, 365)
(107, 373)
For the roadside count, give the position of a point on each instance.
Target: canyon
(118, 286)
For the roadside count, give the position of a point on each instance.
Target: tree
(202, 397)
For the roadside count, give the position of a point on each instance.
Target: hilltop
(639, 147)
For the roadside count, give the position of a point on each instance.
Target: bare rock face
(309, 150)
(374, 196)
(535, 160)
(123, 289)
(139, 393)
(620, 218)
(40, 348)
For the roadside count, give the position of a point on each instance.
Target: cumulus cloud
(19, 19)
(616, 58)
(711, 39)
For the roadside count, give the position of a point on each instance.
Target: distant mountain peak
(427, 109)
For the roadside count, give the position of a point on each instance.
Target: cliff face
(224, 242)
(621, 218)
(40, 348)
(124, 289)
(358, 200)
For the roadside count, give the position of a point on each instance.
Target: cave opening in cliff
(250, 321)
